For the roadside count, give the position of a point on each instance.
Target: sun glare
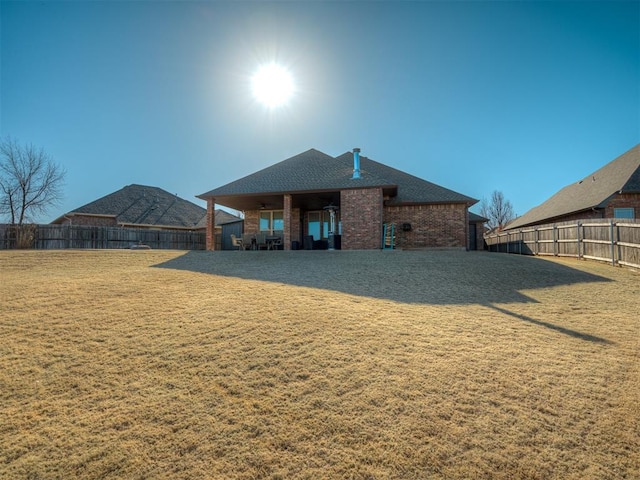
(272, 85)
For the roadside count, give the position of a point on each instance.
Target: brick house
(142, 206)
(610, 192)
(349, 202)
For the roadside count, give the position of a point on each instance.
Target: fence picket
(47, 237)
(611, 241)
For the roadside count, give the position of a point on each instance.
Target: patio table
(272, 242)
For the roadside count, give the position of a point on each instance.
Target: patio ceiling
(310, 200)
(265, 201)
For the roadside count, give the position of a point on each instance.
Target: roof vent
(356, 163)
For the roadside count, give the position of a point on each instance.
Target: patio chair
(261, 241)
(248, 240)
(237, 242)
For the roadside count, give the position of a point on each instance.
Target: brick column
(211, 224)
(287, 222)
(361, 213)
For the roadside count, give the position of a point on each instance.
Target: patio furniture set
(258, 241)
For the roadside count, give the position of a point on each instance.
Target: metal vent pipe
(356, 163)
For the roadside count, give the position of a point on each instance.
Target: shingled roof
(475, 218)
(621, 175)
(144, 205)
(314, 171)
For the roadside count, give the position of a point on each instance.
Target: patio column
(211, 223)
(287, 222)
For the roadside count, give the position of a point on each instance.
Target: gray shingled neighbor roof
(144, 205)
(475, 218)
(621, 175)
(314, 171)
(221, 217)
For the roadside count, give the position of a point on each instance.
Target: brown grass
(349, 365)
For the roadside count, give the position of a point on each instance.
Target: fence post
(555, 240)
(578, 230)
(613, 242)
(618, 242)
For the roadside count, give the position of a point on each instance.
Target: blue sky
(522, 97)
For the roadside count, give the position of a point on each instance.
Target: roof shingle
(144, 205)
(316, 171)
(621, 175)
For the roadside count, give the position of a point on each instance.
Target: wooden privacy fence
(46, 237)
(616, 241)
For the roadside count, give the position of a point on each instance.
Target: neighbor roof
(144, 205)
(315, 171)
(475, 218)
(621, 175)
(221, 217)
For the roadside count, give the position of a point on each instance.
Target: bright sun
(272, 85)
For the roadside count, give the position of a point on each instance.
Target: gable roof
(220, 217)
(621, 175)
(315, 171)
(144, 205)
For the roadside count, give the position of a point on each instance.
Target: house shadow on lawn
(436, 277)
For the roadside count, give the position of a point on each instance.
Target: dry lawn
(317, 365)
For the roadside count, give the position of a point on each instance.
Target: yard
(317, 364)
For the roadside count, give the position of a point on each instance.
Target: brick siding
(361, 213)
(296, 226)
(624, 200)
(440, 225)
(252, 221)
(211, 230)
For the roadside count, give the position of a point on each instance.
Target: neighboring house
(143, 207)
(611, 192)
(348, 201)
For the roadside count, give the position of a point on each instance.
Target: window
(623, 213)
(278, 220)
(314, 225)
(319, 225)
(271, 221)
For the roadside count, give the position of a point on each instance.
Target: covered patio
(308, 220)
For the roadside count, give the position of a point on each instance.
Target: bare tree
(498, 210)
(30, 182)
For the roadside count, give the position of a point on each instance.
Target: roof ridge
(144, 204)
